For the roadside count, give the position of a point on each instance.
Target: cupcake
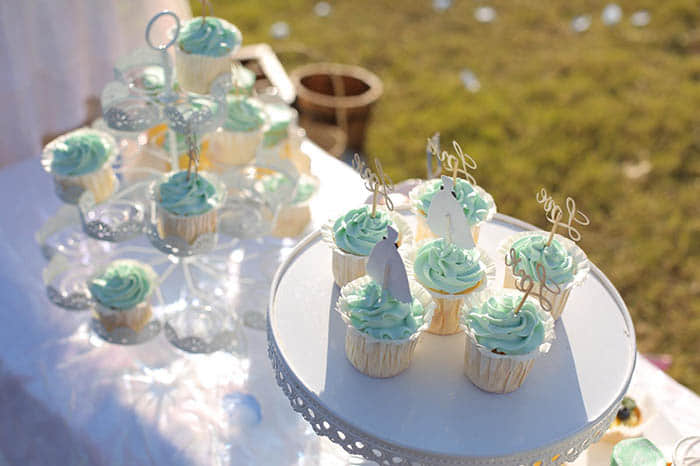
(122, 293)
(236, 142)
(478, 205)
(451, 275)
(565, 265)
(203, 51)
(382, 332)
(294, 216)
(637, 452)
(82, 161)
(187, 206)
(353, 235)
(501, 346)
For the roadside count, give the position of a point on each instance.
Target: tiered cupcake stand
(432, 414)
(192, 302)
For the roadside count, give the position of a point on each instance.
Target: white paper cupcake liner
(196, 73)
(501, 373)
(234, 148)
(377, 357)
(346, 266)
(101, 182)
(188, 227)
(446, 320)
(558, 300)
(423, 230)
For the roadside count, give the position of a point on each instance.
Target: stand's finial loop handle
(162, 47)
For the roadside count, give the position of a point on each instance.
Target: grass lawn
(610, 117)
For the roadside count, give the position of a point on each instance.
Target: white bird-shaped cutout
(446, 217)
(385, 267)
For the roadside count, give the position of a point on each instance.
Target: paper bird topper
(458, 163)
(554, 214)
(386, 267)
(446, 216)
(526, 283)
(379, 184)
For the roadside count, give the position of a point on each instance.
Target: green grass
(557, 109)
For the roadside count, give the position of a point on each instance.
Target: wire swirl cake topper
(554, 214)
(526, 283)
(379, 183)
(458, 163)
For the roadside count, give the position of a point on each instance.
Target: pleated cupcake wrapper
(235, 148)
(188, 227)
(502, 373)
(135, 318)
(196, 73)
(377, 357)
(446, 319)
(423, 230)
(102, 182)
(346, 266)
(581, 263)
(148, 159)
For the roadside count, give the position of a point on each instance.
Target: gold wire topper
(554, 214)
(431, 150)
(377, 183)
(206, 9)
(526, 283)
(458, 163)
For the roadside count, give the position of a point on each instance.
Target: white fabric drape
(55, 54)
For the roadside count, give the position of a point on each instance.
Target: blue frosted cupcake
(82, 161)
(122, 294)
(382, 332)
(352, 236)
(565, 265)
(203, 51)
(501, 346)
(187, 207)
(238, 139)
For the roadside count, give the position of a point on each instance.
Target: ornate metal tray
(431, 413)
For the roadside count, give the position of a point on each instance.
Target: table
(72, 399)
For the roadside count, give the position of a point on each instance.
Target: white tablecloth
(68, 398)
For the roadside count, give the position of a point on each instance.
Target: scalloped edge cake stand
(355, 439)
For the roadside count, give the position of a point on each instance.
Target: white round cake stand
(431, 413)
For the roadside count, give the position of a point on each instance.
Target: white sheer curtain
(55, 55)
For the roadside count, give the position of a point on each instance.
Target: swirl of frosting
(558, 263)
(212, 37)
(243, 114)
(305, 186)
(280, 117)
(182, 196)
(357, 231)
(375, 312)
(443, 266)
(497, 327)
(475, 208)
(123, 285)
(79, 154)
